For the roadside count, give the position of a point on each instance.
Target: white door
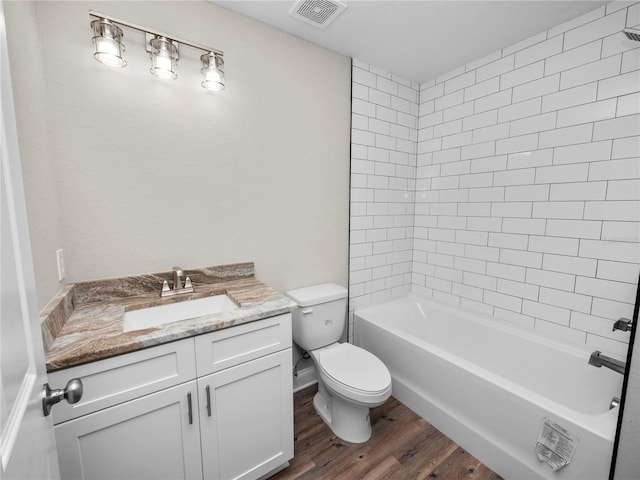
(27, 445)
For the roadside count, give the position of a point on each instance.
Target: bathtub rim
(473, 315)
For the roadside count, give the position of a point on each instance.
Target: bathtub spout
(598, 360)
(623, 324)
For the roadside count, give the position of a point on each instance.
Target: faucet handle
(187, 283)
(165, 288)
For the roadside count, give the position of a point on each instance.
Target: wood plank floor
(402, 446)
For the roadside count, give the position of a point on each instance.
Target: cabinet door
(249, 430)
(151, 437)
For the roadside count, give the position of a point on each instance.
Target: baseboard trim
(306, 377)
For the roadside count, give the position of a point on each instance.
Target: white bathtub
(489, 385)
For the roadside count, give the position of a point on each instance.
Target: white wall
(527, 182)
(151, 174)
(43, 203)
(383, 136)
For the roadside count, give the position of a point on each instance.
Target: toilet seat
(353, 373)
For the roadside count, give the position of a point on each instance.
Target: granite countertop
(84, 322)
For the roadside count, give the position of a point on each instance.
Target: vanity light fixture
(163, 50)
(212, 71)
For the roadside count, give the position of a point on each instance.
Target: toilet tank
(321, 314)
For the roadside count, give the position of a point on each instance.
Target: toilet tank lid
(317, 294)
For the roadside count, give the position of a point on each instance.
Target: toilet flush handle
(307, 311)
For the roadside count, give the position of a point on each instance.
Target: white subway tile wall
(525, 197)
(384, 135)
(563, 242)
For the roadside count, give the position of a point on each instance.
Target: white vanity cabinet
(218, 406)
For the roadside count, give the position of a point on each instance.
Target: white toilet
(350, 379)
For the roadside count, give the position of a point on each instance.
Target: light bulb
(212, 72)
(164, 58)
(107, 40)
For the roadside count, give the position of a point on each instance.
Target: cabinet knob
(72, 393)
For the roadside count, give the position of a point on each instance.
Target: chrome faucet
(623, 324)
(598, 360)
(178, 287)
(178, 273)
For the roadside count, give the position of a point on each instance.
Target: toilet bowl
(351, 380)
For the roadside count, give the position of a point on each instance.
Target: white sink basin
(174, 312)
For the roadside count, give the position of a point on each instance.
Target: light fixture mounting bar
(152, 31)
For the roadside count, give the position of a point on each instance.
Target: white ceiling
(420, 39)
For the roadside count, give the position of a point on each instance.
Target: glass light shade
(107, 39)
(164, 58)
(212, 72)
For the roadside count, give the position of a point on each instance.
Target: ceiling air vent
(319, 13)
